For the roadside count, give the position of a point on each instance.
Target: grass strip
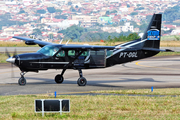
(169, 91)
(96, 107)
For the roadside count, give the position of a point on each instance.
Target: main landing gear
(81, 81)
(22, 80)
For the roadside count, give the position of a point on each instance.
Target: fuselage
(48, 58)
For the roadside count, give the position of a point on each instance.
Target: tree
(59, 10)
(172, 14)
(60, 17)
(132, 36)
(36, 32)
(140, 8)
(107, 13)
(138, 5)
(51, 36)
(134, 13)
(76, 6)
(143, 27)
(114, 11)
(72, 9)
(42, 11)
(74, 32)
(69, 3)
(51, 9)
(21, 11)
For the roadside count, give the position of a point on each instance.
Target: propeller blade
(12, 71)
(15, 52)
(7, 53)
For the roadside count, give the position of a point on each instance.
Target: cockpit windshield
(48, 50)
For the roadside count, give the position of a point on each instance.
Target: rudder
(153, 32)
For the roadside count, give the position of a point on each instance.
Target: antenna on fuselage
(60, 41)
(67, 42)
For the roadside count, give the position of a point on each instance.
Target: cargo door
(98, 58)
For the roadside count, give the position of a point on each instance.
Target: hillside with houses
(45, 19)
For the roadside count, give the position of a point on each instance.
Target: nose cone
(11, 60)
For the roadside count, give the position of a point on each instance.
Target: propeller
(7, 53)
(11, 60)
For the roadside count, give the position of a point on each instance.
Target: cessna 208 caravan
(78, 57)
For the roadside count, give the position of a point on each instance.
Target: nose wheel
(22, 81)
(59, 79)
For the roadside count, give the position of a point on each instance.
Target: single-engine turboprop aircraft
(78, 57)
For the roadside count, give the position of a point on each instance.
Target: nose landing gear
(22, 80)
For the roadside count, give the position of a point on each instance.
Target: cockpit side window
(48, 50)
(85, 53)
(61, 54)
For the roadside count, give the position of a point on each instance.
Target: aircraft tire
(22, 81)
(59, 79)
(82, 81)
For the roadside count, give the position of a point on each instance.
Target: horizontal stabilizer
(157, 50)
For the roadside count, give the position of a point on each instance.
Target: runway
(159, 72)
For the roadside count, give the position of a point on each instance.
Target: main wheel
(59, 79)
(82, 81)
(22, 81)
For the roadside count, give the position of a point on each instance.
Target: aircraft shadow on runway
(100, 83)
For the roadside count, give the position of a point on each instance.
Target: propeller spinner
(11, 59)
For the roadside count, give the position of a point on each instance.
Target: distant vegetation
(75, 33)
(172, 14)
(4, 21)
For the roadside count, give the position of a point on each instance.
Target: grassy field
(97, 107)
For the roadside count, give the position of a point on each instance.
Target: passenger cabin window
(109, 53)
(85, 53)
(71, 53)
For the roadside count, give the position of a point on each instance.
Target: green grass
(169, 91)
(97, 107)
(15, 44)
(170, 37)
(168, 53)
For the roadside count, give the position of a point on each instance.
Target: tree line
(76, 33)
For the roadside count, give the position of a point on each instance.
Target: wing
(92, 47)
(86, 47)
(30, 41)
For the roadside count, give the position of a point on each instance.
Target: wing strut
(70, 63)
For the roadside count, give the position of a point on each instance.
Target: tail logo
(153, 34)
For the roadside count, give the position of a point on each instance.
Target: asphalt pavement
(159, 72)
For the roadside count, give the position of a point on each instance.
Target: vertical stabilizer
(153, 32)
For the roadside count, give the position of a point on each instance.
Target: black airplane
(78, 57)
